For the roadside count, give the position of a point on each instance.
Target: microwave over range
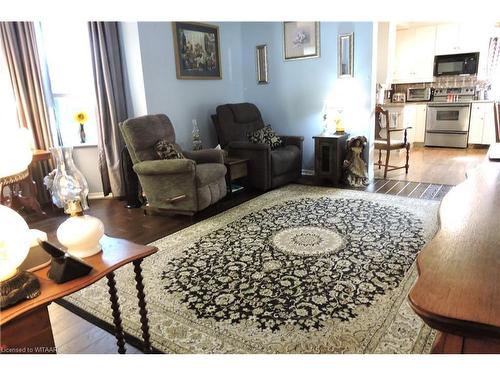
(457, 64)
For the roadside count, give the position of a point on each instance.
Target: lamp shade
(16, 151)
(14, 242)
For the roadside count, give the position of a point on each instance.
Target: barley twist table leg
(142, 306)
(120, 341)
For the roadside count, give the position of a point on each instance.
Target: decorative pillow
(265, 135)
(166, 150)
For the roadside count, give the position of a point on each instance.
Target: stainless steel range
(447, 122)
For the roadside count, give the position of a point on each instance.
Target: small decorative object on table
(355, 169)
(81, 117)
(66, 181)
(197, 145)
(80, 233)
(333, 122)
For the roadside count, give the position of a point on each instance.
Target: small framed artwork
(262, 72)
(197, 50)
(346, 55)
(300, 40)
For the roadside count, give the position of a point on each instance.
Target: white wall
(87, 161)
(132, 69)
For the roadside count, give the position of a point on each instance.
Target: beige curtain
(111, 107)
(18, 43)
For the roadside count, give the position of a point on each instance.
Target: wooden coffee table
(26, 327)
(236, 169)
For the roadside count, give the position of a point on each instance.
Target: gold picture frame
(197, 50)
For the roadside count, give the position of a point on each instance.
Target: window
(65, 49)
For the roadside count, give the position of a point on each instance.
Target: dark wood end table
(26, 328)
(236, 169)
(329, 155)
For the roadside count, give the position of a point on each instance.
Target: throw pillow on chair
(266, 135)
(166, 150)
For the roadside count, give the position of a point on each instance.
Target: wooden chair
(387, 144)
(496, 111)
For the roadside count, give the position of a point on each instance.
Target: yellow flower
(80, 117)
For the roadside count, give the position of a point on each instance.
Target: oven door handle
(445, 105)
(447, 131)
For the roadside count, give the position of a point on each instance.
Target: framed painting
(300, 40)
(197, 50)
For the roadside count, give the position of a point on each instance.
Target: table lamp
(15, 285)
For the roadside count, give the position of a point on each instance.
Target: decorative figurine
(355, 168)
(197, 145)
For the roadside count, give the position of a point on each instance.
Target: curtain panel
(18, 43)
(111, 105)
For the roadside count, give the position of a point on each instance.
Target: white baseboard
(307, 172)
(99, 195)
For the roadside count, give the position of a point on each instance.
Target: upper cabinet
(458, 38)
(414, 60)
(415, 47)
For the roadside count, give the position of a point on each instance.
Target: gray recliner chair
(267, 168)
(177, 185)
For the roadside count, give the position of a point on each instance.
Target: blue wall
(293, 100)
(184, 100)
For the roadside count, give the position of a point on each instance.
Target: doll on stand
(355, 168)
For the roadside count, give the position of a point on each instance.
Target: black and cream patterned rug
(297, 270)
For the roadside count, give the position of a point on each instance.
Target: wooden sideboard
(458, 288)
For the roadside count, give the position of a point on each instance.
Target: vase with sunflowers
(81, 117)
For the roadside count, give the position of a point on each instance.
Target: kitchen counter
(429, 102)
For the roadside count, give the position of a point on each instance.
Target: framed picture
(346, 55)
(197, 50)
(262, 73)
(300, 40)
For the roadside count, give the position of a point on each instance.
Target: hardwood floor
(432, 174)
(434, 165)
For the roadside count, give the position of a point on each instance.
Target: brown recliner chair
(178, 185)
(267, 168)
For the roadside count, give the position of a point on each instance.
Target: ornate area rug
(297, 270)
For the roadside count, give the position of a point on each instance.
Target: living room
(217, 187)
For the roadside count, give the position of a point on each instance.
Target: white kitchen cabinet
(489, 135)
(482, 124)
(476, 124)
(414, 117)
(414, 60)
(420, 116)
(447, 39)
(403, 66)
(454, 38)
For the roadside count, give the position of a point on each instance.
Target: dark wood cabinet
(329, 154)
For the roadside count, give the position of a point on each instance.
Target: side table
(236, 169)
(26, 326)
(329, 154)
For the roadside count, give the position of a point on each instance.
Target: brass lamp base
(23, 285)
